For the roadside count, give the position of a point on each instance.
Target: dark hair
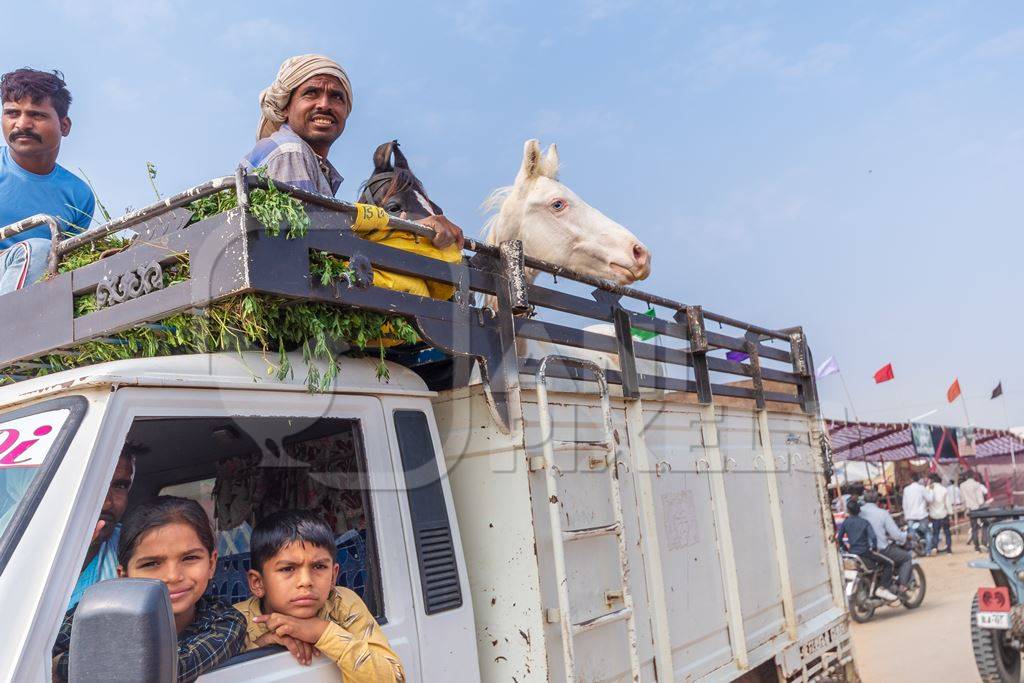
(853, 507)
(37, 85)
(934, 476)
(281, 528)
(158, 512)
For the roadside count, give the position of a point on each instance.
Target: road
(933, 642)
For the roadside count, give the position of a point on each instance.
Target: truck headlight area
(1009, 543)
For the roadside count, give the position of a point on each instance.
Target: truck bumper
(824, 652)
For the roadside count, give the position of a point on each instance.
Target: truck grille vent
(437, 568)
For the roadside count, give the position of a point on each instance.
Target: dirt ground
(933, 642)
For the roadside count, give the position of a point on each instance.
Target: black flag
(998, 391)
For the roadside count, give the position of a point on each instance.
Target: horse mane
(494, 202)
(401, 180)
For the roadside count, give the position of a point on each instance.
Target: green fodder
(269, 325)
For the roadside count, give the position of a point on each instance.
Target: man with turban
(302, 113)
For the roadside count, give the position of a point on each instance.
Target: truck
(626, 507)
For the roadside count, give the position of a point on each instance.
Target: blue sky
(850, 169)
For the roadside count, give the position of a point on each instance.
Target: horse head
(556, 225)
(395, 187)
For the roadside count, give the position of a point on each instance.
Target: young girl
(170, 539)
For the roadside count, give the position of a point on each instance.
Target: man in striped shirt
(302, 113)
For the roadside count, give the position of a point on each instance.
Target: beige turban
(293, 73)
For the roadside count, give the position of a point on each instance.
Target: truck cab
(366, 457)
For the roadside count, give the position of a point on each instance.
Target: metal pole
(1013, 454)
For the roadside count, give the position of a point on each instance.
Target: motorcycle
(861, 582)
(917, 536)
(997, 612)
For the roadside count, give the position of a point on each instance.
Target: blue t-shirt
(59, 193)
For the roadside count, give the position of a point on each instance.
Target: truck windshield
(27, 438)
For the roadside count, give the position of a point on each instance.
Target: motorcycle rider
(889, 539)
(856, 536)
(916, 499)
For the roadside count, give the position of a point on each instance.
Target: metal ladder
(559, 537)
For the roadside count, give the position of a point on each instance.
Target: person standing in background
(939, 511)
(975, 495)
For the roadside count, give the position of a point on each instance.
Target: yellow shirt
(353, 638)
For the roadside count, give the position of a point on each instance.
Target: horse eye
(558, 204)
(393, 208)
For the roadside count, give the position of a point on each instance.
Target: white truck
(563, 520)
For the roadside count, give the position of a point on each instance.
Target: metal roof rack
(230, 253)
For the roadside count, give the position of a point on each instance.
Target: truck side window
(435, 551)
(243, 469)
(33, 441)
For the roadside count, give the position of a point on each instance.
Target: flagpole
(863, 453)
(1013, 438)
(963, 402)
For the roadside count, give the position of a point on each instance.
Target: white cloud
(118, 95)
(250, 32)
(132, 17)
(598, 10)
(819, 61)
(1004, 45)
(476, 20)
(731, 50)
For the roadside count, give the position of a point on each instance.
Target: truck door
(246, 454)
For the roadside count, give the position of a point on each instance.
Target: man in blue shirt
(858, 537)
(35, 118)
(101, 559)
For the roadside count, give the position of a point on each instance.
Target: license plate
(819, 643)
(849, 588)
(999, 620)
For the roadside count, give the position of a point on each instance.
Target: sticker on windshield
(25, 441)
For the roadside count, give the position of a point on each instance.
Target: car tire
(997, 662)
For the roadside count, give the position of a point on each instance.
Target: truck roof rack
(231, 253)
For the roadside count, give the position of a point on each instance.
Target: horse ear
(400, 160)
(531, 161)
(382, 157)
(549, 167)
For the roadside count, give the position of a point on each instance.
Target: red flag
(953, 391)
(884, 375)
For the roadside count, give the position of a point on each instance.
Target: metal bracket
(692, 317)
(624, 341)
(750, 347)
(512, 265)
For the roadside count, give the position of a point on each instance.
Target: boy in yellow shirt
(296, 603)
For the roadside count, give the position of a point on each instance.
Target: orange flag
(953, 391)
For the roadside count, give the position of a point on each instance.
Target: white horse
(557, 226)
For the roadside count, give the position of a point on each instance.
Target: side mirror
(124, 631)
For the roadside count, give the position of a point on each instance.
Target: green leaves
(250, 322)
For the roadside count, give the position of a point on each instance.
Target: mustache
(26, 134)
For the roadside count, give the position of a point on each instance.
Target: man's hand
(96, 532)
(447, 232)
(308, 630)
(301, 650)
